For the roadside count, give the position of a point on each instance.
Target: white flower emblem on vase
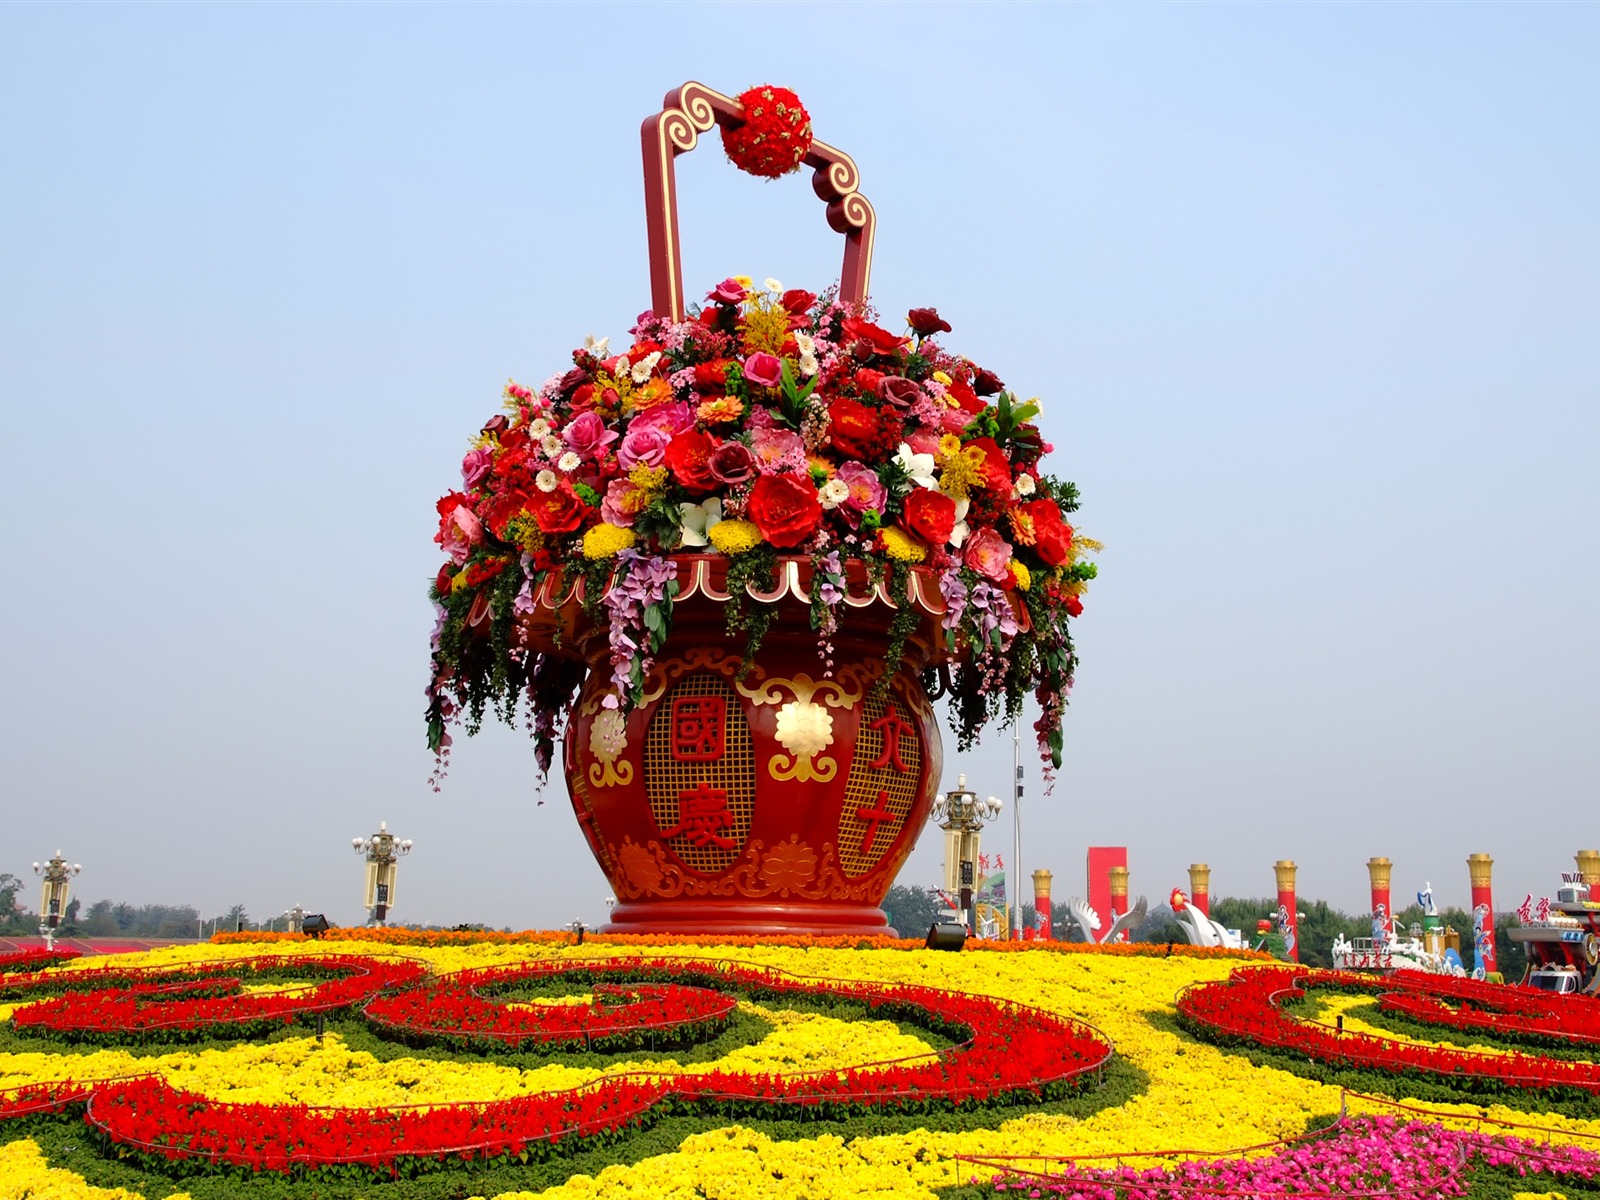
(608, 737)
(805, 728)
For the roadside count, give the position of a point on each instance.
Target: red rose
(859, 431)
(1052, 537)
(559, 511)
(796, 302)
(441, 581)
(689, 457)
(1074, 606)
(930, 515)
(867, 380)
(785, 508)
(880, 339)
(900, 392)
(996, 466)
(925, 321)
(986, 383)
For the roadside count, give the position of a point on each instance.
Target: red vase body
(783, 801)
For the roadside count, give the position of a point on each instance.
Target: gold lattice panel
(700, 773)
(877, 798)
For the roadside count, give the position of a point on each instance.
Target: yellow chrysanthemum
(766, 326)
(949, 446)
(734, 537)
(648, 479)
(901, 546)
(1023, 576)
(603, 541)
(941, 377)
(960, 473)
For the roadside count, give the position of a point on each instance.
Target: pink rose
(476, 465)
(732, 462)
(923, 442)
(587, 436)
(729, 291)
(866, 491)
(989, 555)
(670, 419)
(459, 532)
(621, 503)
(647, 445)
(778, 450)
(764, 370)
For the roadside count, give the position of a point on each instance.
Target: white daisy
(645, 366)
(546, 480)
(569, 462)
(834, 493)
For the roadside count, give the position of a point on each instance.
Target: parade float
(732, 565)
(1562, 936)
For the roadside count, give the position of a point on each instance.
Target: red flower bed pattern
(122, 1005)
(455, 1011)
(1471, 1006)
(1244, 1009)
(36, 959)
(1006, 1053)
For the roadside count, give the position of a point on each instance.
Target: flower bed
(1247, 1009)
(1364, 1156)
(1515, 1013)
(665, 1125)
(456, 1012)
(35, 959)
(1008, 1053)
(166, 1005)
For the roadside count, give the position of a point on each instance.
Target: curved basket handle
(685, 114)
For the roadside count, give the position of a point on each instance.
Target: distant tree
(1159, 925)
(236, 918)
(10, 885)
(1319, 928)
(912, 909)
(101, 922)
(1511, 957)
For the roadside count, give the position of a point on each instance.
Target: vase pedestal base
(752, 917)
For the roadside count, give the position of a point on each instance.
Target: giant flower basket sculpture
(734, 563)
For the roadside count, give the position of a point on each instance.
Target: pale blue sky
(1309, 292)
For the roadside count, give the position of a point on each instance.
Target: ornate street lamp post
(961, 814)
(53, 900)
(383, 851)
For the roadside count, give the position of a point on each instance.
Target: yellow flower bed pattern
(1198, 1097)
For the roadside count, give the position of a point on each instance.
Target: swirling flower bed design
(1248, 1009)
(1005, 1052)
(918, 1071)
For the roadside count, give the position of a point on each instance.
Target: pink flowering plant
(768, 423)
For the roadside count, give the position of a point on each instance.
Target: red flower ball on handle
(775, 136)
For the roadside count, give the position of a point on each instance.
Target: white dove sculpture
(1089, 921)
(1200, 929)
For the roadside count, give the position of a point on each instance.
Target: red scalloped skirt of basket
(784, 801)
